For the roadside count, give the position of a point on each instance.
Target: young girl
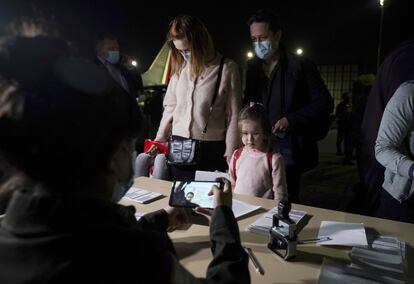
(254, 168)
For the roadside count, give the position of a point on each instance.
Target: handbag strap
(216, 90)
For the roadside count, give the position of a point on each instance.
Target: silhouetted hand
(178, 218)
(282, 125)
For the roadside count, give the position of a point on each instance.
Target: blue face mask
(113, 56)
(263, 49)
(121, 187)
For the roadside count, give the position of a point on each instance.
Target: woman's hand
(152, 151)
(178, 218)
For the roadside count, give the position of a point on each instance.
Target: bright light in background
(381, 2)
(249, 55)
(134, 63)
(299, 51)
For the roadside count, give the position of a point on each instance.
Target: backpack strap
(236, 156)
(269, 161)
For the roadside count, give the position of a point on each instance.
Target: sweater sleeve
(396, 124)
(233, 108)
(279, 178)
(170, 102)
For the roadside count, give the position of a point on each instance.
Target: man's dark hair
(103, 36)
(345, 96)
(73, 119)
(264, 16)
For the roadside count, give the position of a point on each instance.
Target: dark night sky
(329, 31)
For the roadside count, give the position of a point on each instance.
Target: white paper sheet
(241, 208)
(210, 176)
(138, 215)
(263, 224)
(343, 233)
(142, 196)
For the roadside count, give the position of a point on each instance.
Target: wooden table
(193, 247)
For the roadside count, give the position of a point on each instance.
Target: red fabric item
(161, 146)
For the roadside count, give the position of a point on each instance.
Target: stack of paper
(264, 223)
(388, 243)
(342, 273)
(383, 261)
(142, 195)
(385, 258)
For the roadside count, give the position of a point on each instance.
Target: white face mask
(186, 55)
(263, 49)
(121, 187)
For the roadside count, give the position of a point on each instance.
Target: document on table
(142, 196)
(263, 224)
(241, 208)
(343, 233)
(333, 271)
(210, 176)
(384, 255)
(138, 215)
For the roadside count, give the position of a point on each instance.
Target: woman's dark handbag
(186, 151)
(183, 151)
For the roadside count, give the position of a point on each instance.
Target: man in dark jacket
(108, 56)
(294, 95)
(73, 145)
(397, 68)
(119, 68)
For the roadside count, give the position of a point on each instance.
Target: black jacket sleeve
(157, 221)
(320, 103)
(230, 261)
